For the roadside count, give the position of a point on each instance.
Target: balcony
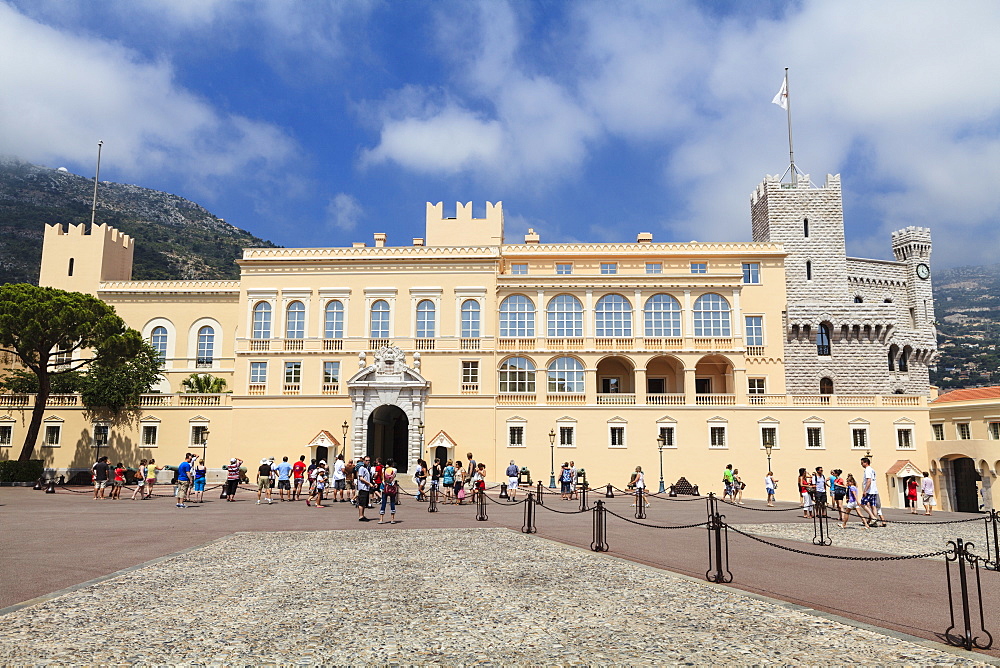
(755, 351)
(565, 399)
(333, 344)
(614, 343)
(424, 344)
(616, 399)
(257, 390)
(516, 399)
(663, 343)
(665, 399)
(565, 343)
(516, 344)
(377, 344)
(331, 388)
(713, 343)
(291, 388)
(768, 399)
(715, 400)
(469, 344)
(294, 344)
(260, 344)
(811, 399)
(470, 388)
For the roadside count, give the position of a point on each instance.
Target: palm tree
(203, 383)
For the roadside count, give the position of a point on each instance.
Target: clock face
(923, 271)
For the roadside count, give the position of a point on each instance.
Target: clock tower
(912, 246)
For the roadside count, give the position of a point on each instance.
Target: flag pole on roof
(781, 99)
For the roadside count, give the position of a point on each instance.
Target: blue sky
(317, 123)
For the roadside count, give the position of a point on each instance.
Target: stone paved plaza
(450, 596)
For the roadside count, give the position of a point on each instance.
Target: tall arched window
(825, 386)
(158, 339)
(663, 316)
(823, 340)
(295, 321)
(206, 346)
(517, 375)
(711, 316)
(517, 316)
(893, 354)
(425, 319)
(380, 320)
(904, 358)
(333, 320)
(565, 316)
(470, 319)
(262, 321)
(613, 316)
(565, 375)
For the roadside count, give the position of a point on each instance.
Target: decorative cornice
(211, 286)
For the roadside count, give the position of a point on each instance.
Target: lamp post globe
(552, 447)
(661, 443)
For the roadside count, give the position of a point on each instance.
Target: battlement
(912, 243)
(463, 229)
(772, 183)
(77, 258)
(911, 234)
(106, 232)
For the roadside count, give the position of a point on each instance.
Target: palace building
(783, 349)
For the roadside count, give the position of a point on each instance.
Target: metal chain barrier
(512, 503)
(654, 526)
(838, 556)
(974, 519)
(640, 505)
(759, 510)
(718, 543)
(992, 546)
(600, 542)
(529, 515)
(567, 512)
(481, 515)
(960, 554)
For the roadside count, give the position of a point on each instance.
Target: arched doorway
(965, 477)
(322, 454)
(388, 435)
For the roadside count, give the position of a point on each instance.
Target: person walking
(927, 493)
(198, 484)
(852, 503)
(727, 483)
(183, 480)
(640, 486)
(565, 481)
(101, 474)
(448, 481)
(818, 486)
(805, 493)
(420, 478)
(233, 478)
(771, 486)
(911, 494)
(284, 473)
(140, 480)
(389, 492)
(151, 470)
(838, 490)
(339, 480)
(738, 487)
(364, 488)
(460, 477)
(869, 493)
(118, 482)
(512, 472)
(436, 472)
(298, 474)
(264, 482)
(320, 479)
(572, 482)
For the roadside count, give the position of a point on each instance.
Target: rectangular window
(699, 267)
(293, 372)
(566, 439)
(564, 269)
(717, 437)
(101, 432)
(964, 432)
(768, 436)
(654, 268)
(331, 372)
(519, 269)
(516, 436)
(938, 431)
(52, 434)
(656, 385)
(755, 386)
(859, 439)
(149, 435)
(754, 326)
(904, 439)
(751, 273)
(609, 267)
(994, 431)
(617, 437)
(258, 373)
(470, 371)
(814, 437)
(6, 434)
(667, 434)
(199, 435)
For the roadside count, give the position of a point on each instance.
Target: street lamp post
(420, 429)
(204, 444)
(767, 449)
(552, 470)
(346, 428)
(661, 443)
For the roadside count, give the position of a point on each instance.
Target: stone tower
(77, 258)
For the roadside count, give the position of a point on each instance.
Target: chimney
(379, 239)
(644, 238)
(417, 241)
(531, 237)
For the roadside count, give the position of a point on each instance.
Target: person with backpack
(565, 481)
(389, 492)
(512, 472)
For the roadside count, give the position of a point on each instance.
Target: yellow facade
(964, 449)
(571, 340)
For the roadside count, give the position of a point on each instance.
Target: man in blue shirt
(284, 470)
(184, 480)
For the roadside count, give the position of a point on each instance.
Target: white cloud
(65, 92)
(344, 212)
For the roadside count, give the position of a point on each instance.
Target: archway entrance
(965, 477)
(388, 435)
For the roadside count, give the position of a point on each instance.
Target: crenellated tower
(78, 257)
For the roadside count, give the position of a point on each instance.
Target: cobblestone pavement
(897, 539)
(451, 596)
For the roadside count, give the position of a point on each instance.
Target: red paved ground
(55, 541)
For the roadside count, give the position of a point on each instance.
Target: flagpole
(791, 151)
(97, 177)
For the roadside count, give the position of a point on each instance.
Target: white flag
(781, 99)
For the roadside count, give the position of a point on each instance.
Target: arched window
(470, 319)
(663, 316)
(805, 227)
(295, 321)
(565, 315)
(517, 376)
(904, 359)
(823, 340)
(206, 346)
(262, 321)
(711, 316)
(825, 386)
(158, 339)
(613, 315)
(565, 375)
(517, 316)
(425, 319)
(380, 320)
(333, 320)
(809, 270)
(893, 353)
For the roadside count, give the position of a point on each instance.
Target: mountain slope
(175, 238)
(967, 305)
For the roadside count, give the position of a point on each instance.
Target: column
(689, 393)
(640, 386)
